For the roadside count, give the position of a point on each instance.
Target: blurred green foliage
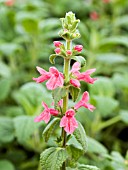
(27, 30)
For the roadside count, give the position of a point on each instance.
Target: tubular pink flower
(75, 82)
(69, 52)
(57, 50)
(57, 43)
(44, 75)
(46, 114)
(83, 102)
(69, 122)
(86, 76)
(78, 48)
(56, 79)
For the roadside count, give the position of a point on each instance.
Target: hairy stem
(65, 99)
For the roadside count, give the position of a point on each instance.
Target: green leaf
(5, 87)
(6, 165)
(103, 102)
(115, 40)
(50, 128)
(6, 129)
(124, 116)
(111, 58)
(30, 25)
(74, 153)
(5, 70)
(58, 94)
(12, 48)
(52, 58)
(102, 87)
(87, 167)
(26, 97)
(118, 162)
(121, 21)
(80, 136)
(24, 127)
(79, 59)
(96, 147)
(53, 158)
(74, 91)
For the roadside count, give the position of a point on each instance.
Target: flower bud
(69, 52)
(57, 43)
(78, 48)
(57, 50)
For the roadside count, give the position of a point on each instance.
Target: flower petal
(89, 107)
(75, 82)
(53, 112)
(45, 116)
(63, 121)
(45, 106)
(85, 97)
(75, 67)
(41, 70)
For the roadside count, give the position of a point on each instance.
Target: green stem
(109, 122)
(65, 99)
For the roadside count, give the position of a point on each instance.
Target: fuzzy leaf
(25, 127)
(53, 158)
(52, 58)
(50, 128)
(74, 92)
(6, 130)
(5, 87)
(96, 147)
(58, 94)
(80, 136)
(80, 59)
(74, 154)
(87, 167)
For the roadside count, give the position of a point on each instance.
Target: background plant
(21, 49)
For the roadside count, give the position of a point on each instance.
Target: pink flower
(44, 75)
(57, 50)
(86, 76)
(77, 76)
(83, 102)
(69, 52)
(69, 122)
(94, 15)
(54, 77)
(106, 1)
(57, 43)
(46, 114)
(9, 2)
(75, 82)
(78, 48)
